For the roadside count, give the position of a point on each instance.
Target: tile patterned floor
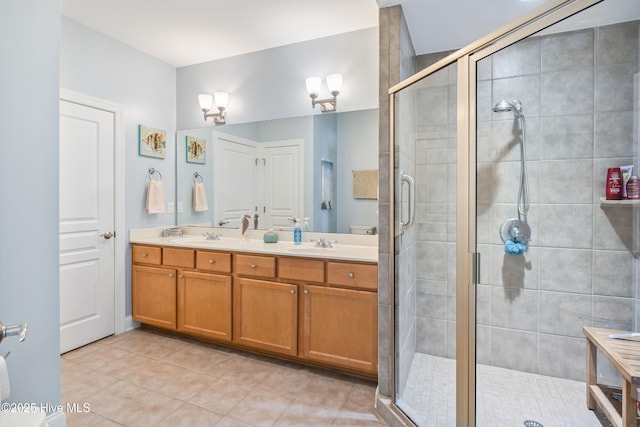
(506, 398)
(147, 378)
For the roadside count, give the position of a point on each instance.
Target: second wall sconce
(206, 102)
(334, 82)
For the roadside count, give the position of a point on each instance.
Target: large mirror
(322, 168)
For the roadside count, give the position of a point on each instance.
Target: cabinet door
(204, 304)
(266, 315)
(154, 296)
(340, 326)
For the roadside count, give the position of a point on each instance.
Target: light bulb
(205, 101)
(334, 82)
(222, 98)
(313, 85)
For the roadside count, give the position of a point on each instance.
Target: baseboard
(57, 419)
(130, 324)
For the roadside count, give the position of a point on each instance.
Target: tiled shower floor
(505, 397)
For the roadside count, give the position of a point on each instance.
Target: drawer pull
(292, 292)
(144, 254)
(171, 275)
(351, 275)
(306, 292)
(254, 266)
(212, 261)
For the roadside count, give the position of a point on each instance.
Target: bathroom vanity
(301, 302)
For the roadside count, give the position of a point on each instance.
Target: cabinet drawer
(308, 270)
(213, 261)
(146, 255)
(178, 257)
(363, 276)
(256, 266)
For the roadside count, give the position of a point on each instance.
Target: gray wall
(29, 44)
(95, 65)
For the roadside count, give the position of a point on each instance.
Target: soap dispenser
(297, 233)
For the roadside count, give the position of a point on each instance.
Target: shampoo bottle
(297, 233)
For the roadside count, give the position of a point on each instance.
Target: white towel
(199, 197)
(155, 197)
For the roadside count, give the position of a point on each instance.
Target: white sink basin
(309, 250)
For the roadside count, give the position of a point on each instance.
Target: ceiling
(188, 32)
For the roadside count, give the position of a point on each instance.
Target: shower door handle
(404, 178)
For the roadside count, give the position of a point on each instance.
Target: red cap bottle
(614, 184)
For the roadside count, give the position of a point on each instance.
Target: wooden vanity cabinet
(323, 311)
(154, 296)
(266, 315)
(204, 304)
(340, 327)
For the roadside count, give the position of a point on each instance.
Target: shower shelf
(605, 202)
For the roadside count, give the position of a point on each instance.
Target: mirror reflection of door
(257, 178)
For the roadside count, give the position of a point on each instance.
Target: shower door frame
(467, 258)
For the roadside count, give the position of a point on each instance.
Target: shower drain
(531, 423)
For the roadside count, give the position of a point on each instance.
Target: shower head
(504, 106)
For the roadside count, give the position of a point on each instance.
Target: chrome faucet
(211, 236)
(324, 243)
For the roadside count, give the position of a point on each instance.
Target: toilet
(362, 229)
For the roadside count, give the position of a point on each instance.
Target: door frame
(120, 242)
(467, 259)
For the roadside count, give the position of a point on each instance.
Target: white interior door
(86, 225)
(283, 198)
(233, 175)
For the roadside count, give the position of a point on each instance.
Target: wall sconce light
(334, 82)
(206, 102)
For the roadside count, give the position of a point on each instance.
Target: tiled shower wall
(397, 62)
(577, 91)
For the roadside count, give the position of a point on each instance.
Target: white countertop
(349, 247)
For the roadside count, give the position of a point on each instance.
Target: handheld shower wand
(515, 106)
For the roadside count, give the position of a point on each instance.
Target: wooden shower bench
(625, 356)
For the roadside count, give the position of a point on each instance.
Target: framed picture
(196, 150)
(151, 142)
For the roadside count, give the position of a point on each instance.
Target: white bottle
(297, 233)
(305, 224)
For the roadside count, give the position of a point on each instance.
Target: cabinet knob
(253, 266)
(181, 277)
(292, 292)
(171, 275)
(306, 292)
(351, 275)
(144, 254)
(212, 261)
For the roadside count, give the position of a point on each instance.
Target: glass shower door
(553, 112)
(425, 248)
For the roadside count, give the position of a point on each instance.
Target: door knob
(107, 235)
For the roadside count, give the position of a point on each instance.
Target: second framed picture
(196, 150)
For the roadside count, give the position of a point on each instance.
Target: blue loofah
(514, 247)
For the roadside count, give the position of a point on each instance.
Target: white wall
(95, 65)
(270, 84)
(29, 108)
